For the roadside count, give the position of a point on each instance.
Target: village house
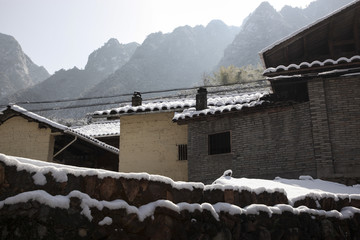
(149, 141)
(26, 134)
(322, 62)
(307, 125)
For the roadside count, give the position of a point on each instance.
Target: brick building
(306, 125)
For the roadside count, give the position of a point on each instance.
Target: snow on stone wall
(43, 200)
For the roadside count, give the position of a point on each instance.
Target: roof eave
(92, 141)
(296, 34)
(36, 118)
(314, 71)
(104, 135)
(137, 113)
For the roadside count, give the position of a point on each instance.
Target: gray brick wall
(320, 128)
(343, 106)
(266, 144)
(320, 138)
(334, 107)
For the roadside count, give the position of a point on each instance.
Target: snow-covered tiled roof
(100, 129)
(62, 128)
(92, 141)
(36, 117)
(164, 105)
(216, 103)
(304, 65)
(222, 104)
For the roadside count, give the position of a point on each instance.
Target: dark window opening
(297, 91)
(182, 152)
(219, 143)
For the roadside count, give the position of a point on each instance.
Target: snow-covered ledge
(42, 196)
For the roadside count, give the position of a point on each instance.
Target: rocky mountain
(166, 61)
(65, 84)
(319, 8)
(17, 71)
(110, 57)
(173, 60)
(265, 26)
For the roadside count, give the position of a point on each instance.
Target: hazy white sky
(62, 33)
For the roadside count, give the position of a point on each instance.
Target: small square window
(182, 152)
(219, 143)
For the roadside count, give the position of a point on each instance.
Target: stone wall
(98, 206)
(33, 220)
(265, 144)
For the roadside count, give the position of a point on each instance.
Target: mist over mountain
(17, 71)
(166, 61)
(172, 60)
(163, 61)
(65, 84)
(265, 26)
(320, 8)
(110, 57)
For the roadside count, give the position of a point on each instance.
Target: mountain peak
(17, 70)
(264, 17)
(182, 29)
(112, 42)
(6, 37)
(111, 56)
(216, 23)
(264, 11)
(265, 26)
(264, 7)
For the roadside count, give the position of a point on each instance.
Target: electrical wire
(100, 97)
(298, 80)
(124, 95)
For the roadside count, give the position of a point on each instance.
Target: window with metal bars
(182, 152)
(219, 143)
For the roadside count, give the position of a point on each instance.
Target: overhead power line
(124, 95)
(129, 94)
(100, 97)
